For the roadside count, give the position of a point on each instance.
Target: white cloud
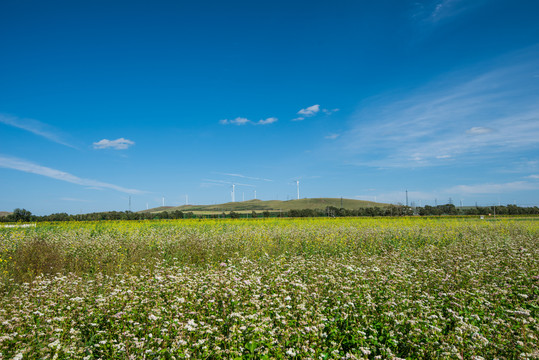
(118, 144)
(243, 176)
(436, 11)
(479, 130)
(75, 199)
(491, 188)
(329, 112)
(206, 181)
(245, 121)
(310, 111)
(332, 136)
(267, 121)
(532, 177)
(35, 127)
(468, 116)
(29, 167)
(236, 121)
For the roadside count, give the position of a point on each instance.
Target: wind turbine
(233, 192)
(297, 186)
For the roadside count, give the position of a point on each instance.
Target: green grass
(273, 205)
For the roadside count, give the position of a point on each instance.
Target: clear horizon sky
(101, 101)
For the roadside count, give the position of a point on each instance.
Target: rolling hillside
(275, 205)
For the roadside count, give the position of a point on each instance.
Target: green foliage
(306, 288)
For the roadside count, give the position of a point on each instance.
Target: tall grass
(314, 288)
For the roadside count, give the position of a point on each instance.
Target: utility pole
(406, 198)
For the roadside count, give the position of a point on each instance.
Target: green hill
(4, 213)
(272, 205)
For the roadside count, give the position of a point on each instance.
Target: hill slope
(276, 205)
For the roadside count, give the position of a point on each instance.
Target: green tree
(21, 215)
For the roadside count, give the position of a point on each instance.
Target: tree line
(22, 215)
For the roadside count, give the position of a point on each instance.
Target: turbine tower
(233, 192)
(297, 185)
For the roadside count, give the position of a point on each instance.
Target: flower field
(352, 288)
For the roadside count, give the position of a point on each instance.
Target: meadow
(349, 288)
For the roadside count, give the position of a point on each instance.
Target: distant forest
(22, 215)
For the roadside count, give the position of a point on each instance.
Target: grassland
(271, 205)
(262, 289)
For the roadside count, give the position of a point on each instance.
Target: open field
(273, 288)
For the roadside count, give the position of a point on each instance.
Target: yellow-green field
(271, 288)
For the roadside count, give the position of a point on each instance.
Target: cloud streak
(244, 176)
(433, 12)
(118, 144)
(35, 127)
(480, 115)
(29, 167)
(226, 182)
(491, 188)
(244, 121)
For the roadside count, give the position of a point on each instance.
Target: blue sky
(105, 100)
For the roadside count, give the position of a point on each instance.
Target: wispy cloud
(118, 144)
(468, 117)
(435, 11)
(329, 111)
(236, 121)
(29, 167)
(243, 176)
(479, 130)
(35, 127)
(75, 200)
(225, 182)
(493, 188)
(332, 136)
(267, 121)
(245, 121)
(455, 192)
